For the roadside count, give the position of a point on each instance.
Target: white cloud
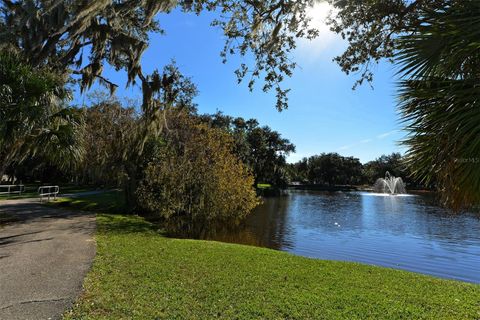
(365, 141)
(386, 134)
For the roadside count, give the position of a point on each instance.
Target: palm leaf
(439, 101)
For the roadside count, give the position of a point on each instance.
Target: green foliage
(117, 132)
(195, 183)
(393, 163)
(33, 118)
(260, 148)
(264, 186)
(110, 130)
(440, 100)
(139, 274)
(329, 169)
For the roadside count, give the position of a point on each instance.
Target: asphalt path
(44, 257)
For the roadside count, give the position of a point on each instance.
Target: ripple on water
(403, 231)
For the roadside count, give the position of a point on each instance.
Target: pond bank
(403, 232)
(138, 273)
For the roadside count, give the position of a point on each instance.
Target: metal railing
(12, 188)
(47, 192)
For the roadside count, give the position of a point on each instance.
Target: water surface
(407, 232)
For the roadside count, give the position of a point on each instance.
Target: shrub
(194, 183)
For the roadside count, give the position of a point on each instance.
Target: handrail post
(48, 192)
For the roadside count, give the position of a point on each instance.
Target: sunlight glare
(318, 15)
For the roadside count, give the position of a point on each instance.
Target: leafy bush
(194, 183)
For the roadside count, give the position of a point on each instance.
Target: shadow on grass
(111, 213)
(108, 202)
(89, 206)
(123, 224)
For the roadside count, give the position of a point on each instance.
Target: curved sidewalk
(44, 257)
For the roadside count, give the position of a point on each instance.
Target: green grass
(264, 186)
(140, 274)
(110, 201)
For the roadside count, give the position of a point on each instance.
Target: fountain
(390, 185)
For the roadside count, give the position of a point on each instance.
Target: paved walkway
(44, 257)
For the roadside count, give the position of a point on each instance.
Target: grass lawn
(110, 201)
(140, 274)
(264, 186)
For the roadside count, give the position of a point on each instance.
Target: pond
(404, 232)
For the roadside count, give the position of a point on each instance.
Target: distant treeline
(332, 169)
(264, 151)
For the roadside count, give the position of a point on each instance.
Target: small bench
(47, 192)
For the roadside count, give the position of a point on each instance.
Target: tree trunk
(3, 168)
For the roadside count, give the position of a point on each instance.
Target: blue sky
(324, 115)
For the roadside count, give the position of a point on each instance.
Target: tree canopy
(80, 37)
(193, 181)
(394, 163)
(329, 169)
(34, 117)
(371, 29)
(260, 148)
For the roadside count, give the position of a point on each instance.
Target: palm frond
(439, 101)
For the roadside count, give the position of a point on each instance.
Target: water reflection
(268, 226)
(401, 232)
